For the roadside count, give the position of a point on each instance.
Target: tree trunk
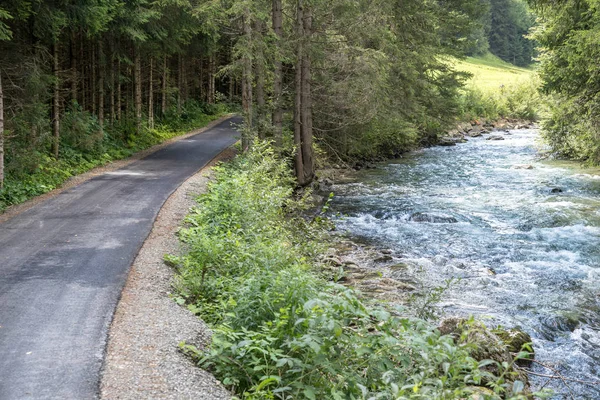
(138, 90)
(260, 90)
(101, 72)
(55, 102)
(151, 97)
(1, 134)
(93, 92)
(119, 94)
(179, 83)
(163, 102)
(247, 84)
(298, 160)
(307, 122)
(112, 83)
(277, 117)
(73, 69)
(211, 79)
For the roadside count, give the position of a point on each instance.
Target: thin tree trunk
(247, 84)
(298, 160)
(93, 66)
(163, 102)
(112, 83)
(151, 96)
(101, 73)
(211, 79)
(277, 117)
(138, 90)
(55, 102)
(260, 89)
(1, 134)
(73, 69)
(307, 123)
(82, 72)
(179, 83)
(119, 94)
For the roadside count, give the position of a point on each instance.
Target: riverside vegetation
(282, 330)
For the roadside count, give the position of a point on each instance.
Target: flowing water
(525, 243)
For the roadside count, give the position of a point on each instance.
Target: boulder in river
(432, 218)
(556, 190)
(495, 137)
(523, 166)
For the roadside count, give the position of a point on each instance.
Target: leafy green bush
(522, 101)
(282, 331)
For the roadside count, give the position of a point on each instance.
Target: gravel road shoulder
(142, 359)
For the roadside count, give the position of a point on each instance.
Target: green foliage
(84, 145)
(521, 101)
(569, 37)
(505, 26)
(279, 329)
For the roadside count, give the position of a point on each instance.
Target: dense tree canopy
(505, 27)
(570, 45)
(355, 78)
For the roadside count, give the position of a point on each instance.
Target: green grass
(491, 73)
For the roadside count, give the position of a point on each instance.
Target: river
(522, 235)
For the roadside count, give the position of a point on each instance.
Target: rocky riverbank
(478, 128)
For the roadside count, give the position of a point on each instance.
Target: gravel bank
(142, 359)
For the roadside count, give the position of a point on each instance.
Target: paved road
(64, 262)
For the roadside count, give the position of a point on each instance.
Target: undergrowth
(282, 331)
(84, 145)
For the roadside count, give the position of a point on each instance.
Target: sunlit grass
(490, 73)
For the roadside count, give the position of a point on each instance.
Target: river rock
(447, 142)
(432, 218)
(523, 166)
(514, 339)
(556, 190)
(486, 345)
(387, 251)
(495, 137)
(384, 258)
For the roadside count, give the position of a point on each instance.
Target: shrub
(282, 331)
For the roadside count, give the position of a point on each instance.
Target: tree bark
(119, 94)
(55, 101)
(163, 101)
(1, 134)
(307, 122)
(179, 83)
(211, 79)
(298, 159)
(138, 89)
(277, 116)
(151, 97)
(260, 89)
(101, 72)
(93, 66)
(73, 69)
(247, 84)
(112, 83)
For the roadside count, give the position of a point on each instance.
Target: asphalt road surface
(64, 262)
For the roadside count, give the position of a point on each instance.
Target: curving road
(63, 264)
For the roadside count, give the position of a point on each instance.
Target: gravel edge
(142, 360)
